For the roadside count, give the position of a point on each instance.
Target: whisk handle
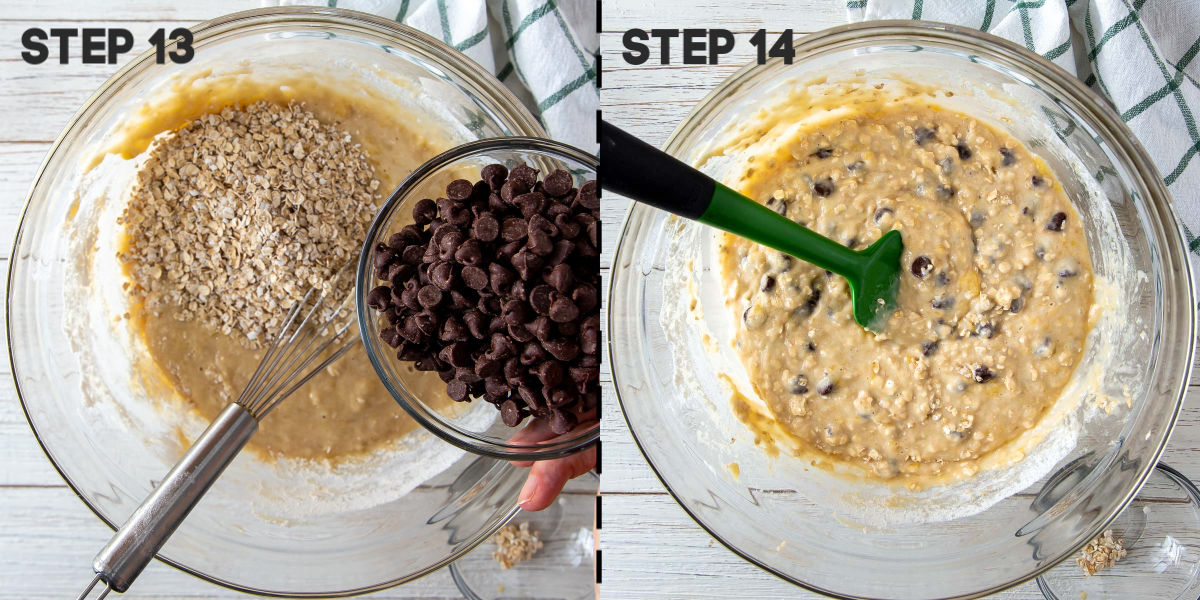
(140, 538)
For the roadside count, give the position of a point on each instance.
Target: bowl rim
(449, 58)
(1096, 107)
(364, 274)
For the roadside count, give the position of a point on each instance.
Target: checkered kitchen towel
(543, 50)
(1137, 53)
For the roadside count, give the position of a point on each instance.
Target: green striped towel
(543, 50)
(1138, 54)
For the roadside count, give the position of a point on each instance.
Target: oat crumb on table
(1101, 553)
(515, 544)
(234, 216)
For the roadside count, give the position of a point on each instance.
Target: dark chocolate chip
(558, 183)
(882, 212)
(494, 175)
(564, 350)
(561, 421)
(510, 413)
(380, 297)
(563, 310)
(922, 135)
(485, 228)
(1017, 304)
(441, 274)
(459, 190)
(921, 266)
(799, 384)
(589, 195)
(964, 152)
(514, 229)
(1037, 181)
(469, 253)
(929, 348)
(825, 386)
(823, 153)
(943, 302)
(1057, 220)
(475, 277)
(823, 187)
(429, 296)
(1008, 159)
(982, 374)
(768, 283)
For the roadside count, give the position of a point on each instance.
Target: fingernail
(528, 491)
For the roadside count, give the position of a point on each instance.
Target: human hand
(547, 478)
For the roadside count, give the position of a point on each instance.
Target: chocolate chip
(964, 152)
(986, 330)
(519, 332)
(453, 330)
(1057, 220)
(561, 278)
(945, 191)
(494, 175)
(922, 135)
(561, 421)
(527, 264)
(768, 283)
(485, 228)
(929, 348)
(586, 297)
(459, 190)
(563, 310)
(1016, 305)
(799, 385)
(424, 211)
(530, 203)
(514, 229)
(1037, 181)
(921, 266)
(823, 187)
(429, 296)
(564, 350)
(589, 195)
(441, 274)
(823, 153)
(880, 213)
(540, 327)
(457, 389)
(825, 386)
(475, 277)
(540, 299)
(469, 253)
(558, 183)
(943, 302)
(380, 297)
(515, 312)
(524, 177)
(510, 413)
(978, 218)
(390, 336)
(1008, 159)
(982, 374)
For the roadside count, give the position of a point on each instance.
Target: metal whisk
(310, 340)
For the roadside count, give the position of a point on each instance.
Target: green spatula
(635, 169)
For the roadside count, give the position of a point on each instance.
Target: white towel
(543, 50)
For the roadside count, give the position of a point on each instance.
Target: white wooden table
(652, 549)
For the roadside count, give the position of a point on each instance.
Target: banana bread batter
(345, 411)
(993, 305)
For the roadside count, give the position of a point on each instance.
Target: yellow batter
(344, 411)
(992, 314)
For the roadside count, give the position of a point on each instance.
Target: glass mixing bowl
(474, 427)
(978, 536)
(112, 457)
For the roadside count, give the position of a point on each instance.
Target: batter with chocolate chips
(993, 304)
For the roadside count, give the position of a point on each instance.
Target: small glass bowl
(1158, 532)
(563, 569)
(473, 426)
